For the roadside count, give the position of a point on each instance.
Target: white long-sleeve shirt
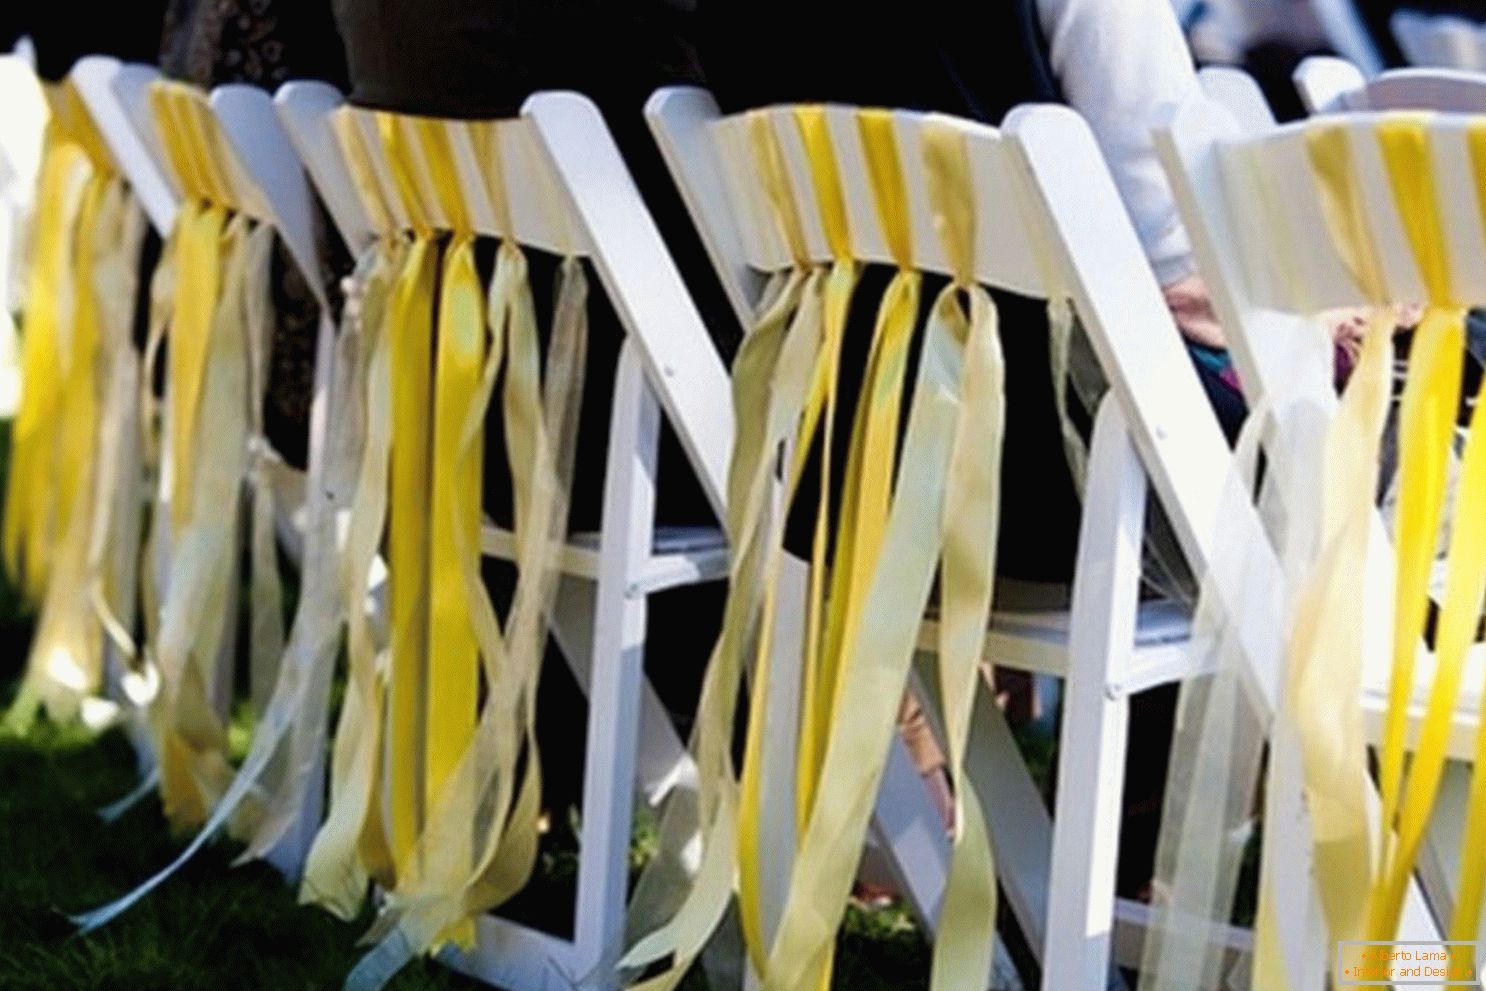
(1122, 64)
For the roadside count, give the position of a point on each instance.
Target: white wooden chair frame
(667, 366)
(1331, 85)
(1258, 335)
(20, 159)
(1155, 425)
(275, 191)
(1337, 86)
(1439, 41)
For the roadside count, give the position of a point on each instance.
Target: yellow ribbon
(70, 496)
(1324, 688)
(460, 781)
(1426, 431)
(217, 317)
(889, 542)
(32, 523)
(967, 920)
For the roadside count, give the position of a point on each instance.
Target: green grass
(216, 928)
(213, 927)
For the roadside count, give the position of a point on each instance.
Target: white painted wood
(1005, 253)
(1239, 93)
(618, 673)
(681, 363)
(1439, 40)
(568, 189)
(1052, 168)
(131, 84)
(509, 955)
(1220, 172)
(1323, 82)
(95, 77)
(1450, 90)
(1095, 724)
(1120, 305)
(269, 165)
(303, 107)
(661, 760)
(678, 118)
(21, 130)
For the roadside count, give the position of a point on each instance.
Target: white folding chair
(20, 158)
(1335, 86)
(1439, 40)
(1266, 334)
(1332, 85)
(270, 187)
(559, 147)
(1154, 425)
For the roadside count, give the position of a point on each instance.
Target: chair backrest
(1044, 192)
(1258, 222)
(734, 213)
(269, 166)
(1438, 40)
(20, 159)
(1240, 94)
(96, 77)
(21, 128)
(1332, 85)
(567, 190)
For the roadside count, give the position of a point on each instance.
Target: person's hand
(1347, 327)
(1192, 308)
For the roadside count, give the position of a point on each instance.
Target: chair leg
(1091, 763)
(617, 675)
(662, 759)
(1439, 864)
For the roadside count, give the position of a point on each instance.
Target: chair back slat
(400, 177)
(567, 193)
(1331, 85)
(204, 164)
(1439, 40)
(267, 166)
(1279, 221)
(1006, 256)
(96, 79)
(1455, 90)
(302, 108)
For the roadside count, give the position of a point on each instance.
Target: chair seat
(680, 555)
(1467, 714)
(1030, 633)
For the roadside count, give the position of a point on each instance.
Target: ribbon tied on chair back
(436, 786)
(1399, 198)
(212, 308)
(71, 529)
(919, 498)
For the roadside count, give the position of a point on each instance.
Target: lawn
(217, 928)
